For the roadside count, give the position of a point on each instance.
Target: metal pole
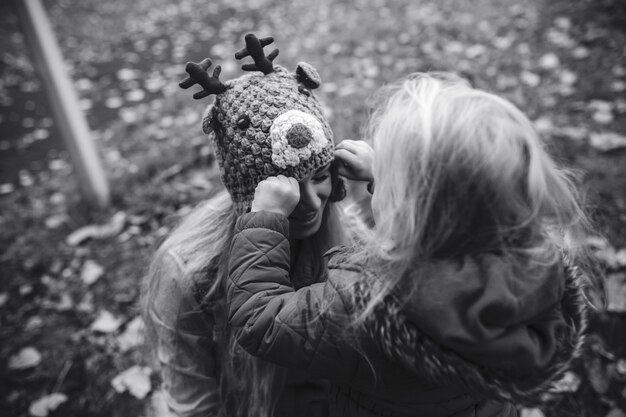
(67, 112)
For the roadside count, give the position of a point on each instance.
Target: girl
(461, 301)
(262, 124)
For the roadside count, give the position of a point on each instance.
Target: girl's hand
(355, 160)
(277, 195)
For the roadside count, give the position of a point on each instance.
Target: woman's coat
(191, 335)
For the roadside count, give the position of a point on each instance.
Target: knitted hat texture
(265, 124)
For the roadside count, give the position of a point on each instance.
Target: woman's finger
(294, 183)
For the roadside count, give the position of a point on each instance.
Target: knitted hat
(262, 124)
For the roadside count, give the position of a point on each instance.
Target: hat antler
(198, 74)
(254, 48)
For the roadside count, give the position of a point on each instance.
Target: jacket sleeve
(303, 329)
(184, 345)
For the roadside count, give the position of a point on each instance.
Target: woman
(262, 124)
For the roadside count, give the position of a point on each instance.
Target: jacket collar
(399, 338)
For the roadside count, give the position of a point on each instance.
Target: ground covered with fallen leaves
(69, 327)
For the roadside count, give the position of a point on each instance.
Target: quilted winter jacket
(473, 339)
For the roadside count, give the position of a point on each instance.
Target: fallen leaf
(86, 305)
(602, 111)
(580, 52)
(560, 39)
(43, 406)
(91, 272)
(191, 118)
(106, 323)
(85, 104)
(138, 219)
(4, 297)
(549, 61)
(168, 173)
(607, 255)
(129, 115)
(114, 102)
(26, 358)
(616, 412)
(112, 228)
(544, 125)
(598, 377)
(597, 346)
(25, 289)
(530, 78)
(619, 71)
(574, 133)
(135, 95)
(329, 87)
(158, 405)
(569, 383)
(607, 141)
(132, 335)
(26, 178)
(66, 303)
(603, 117)
(135, 380)
(6, 188)
(55, 221)
(531, 412)
(41, 134)
(618, 86)
(503, 42)
(475, 51)
(563, 23)
(34, 323)
(616, 292)
(620, 366)
(127, 74)
(155, 82)
(83, 84)
(199, 180)
(597, 242)
(620, 257)
(58, 165)
(568, 77)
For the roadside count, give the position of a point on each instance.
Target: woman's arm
(305, 329)
(184, 344)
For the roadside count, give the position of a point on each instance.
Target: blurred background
(69, 328)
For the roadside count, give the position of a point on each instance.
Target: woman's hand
(354, 159)
(278, 194)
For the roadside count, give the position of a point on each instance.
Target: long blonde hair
(469, 176)
(248, 386)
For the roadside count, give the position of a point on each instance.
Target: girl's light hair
(459, 171)
(248, 385)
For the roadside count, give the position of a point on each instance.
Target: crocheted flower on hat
(295, 137)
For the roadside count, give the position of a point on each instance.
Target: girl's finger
(349, 145)
(346, 157)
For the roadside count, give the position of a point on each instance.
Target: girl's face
(315, 190)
